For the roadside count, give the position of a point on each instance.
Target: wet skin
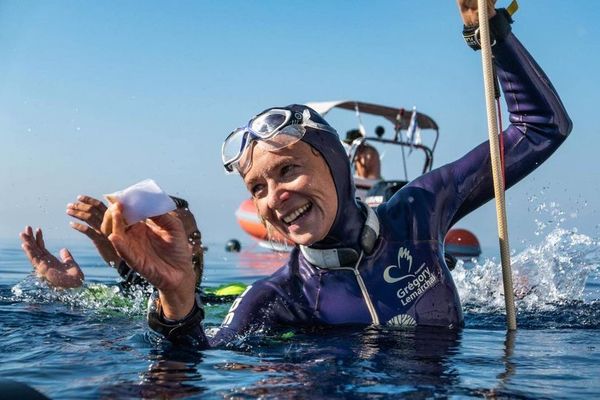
(293, 191)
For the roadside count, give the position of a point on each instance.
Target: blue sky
(95, 96)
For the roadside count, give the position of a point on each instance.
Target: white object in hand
(143, 200)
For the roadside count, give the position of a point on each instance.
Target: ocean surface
(92, 343)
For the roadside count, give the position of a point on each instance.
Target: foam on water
(102, 298)
(552, 272)
(555, 280)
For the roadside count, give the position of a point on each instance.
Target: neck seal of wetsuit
(343, 256)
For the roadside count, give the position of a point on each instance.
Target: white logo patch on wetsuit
(413, 284)
(402, 320)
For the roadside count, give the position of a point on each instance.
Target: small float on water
(403, 144)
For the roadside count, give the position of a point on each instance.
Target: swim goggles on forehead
(276, 128)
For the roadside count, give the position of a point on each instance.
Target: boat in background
(406, 139)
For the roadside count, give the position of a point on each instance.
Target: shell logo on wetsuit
(412, 284)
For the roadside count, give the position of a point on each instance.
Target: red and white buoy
(462, 243)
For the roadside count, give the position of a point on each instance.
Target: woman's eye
(257, 189)
(287, 169)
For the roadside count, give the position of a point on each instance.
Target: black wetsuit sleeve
(257, 308)
(539, 124)
(188, 331)
(131, 279)
(260, 307)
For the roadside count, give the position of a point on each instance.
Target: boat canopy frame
(399, 117)
(428, 152)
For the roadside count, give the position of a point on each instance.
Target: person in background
(367, 163)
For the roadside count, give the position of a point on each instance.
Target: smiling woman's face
(293, 190)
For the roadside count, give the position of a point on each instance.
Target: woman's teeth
(297, 214)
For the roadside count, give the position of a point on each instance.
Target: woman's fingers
(39, 239)
(92, 202)
(74, 211)
(113, 227)
(118, 220)
(107, 222)
(35, 256)
(86, 230)
(167, 222)
(30, 252)
(87, 209)
(66, 256)
(92, 217)
(30, 245)
(28, 231)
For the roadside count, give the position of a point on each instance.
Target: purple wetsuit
(403, 279)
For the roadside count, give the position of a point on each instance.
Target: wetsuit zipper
(365, 292)
(363, 289)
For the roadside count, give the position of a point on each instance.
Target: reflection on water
(172, 375)
(509, 349)
(265, 262)
(342, 363)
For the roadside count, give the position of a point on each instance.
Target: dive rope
(496, 160)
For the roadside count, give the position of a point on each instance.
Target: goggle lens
(268, 123)
(233, 145)
(284, 138)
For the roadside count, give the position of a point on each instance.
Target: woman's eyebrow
(274, 166)
(250, 182)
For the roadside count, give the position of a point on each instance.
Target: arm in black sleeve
(131, 279)
(256, 308)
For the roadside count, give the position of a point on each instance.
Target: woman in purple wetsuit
(352, 265)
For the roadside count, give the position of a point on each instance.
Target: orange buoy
(462, 243)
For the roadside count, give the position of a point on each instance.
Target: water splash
(555, 277)
(100, 298)
(549, 277)
(549, 215)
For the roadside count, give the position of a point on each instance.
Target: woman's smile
(297, 214)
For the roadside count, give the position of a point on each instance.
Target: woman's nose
(278, 194)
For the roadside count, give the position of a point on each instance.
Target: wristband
(169, 328)
(131, 278)
(499, 29)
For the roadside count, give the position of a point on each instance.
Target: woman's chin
(304, 238)
(304, 231)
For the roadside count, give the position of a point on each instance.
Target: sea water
(93, 343)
